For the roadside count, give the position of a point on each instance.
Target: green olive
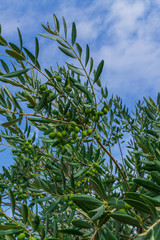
(70, 202)
(73, 124)
(58, 78)
(65, 198)
(105, 110)
(59, 134)
(43, 87)
(21, 236)
(89, 131)
(68, 89)
(76, 129)
(97, 137)
(52, 96)
(84, 134)
(96, 118)
(52, 135)
(64, 133)
(100, 113)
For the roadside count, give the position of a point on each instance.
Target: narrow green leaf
(62, 44)
(15, 55)
(99, 213)
(115, 203)
(148, 185)
(2, 150)
(16, 48)
(79, 49)
(74, 69)
(122, 217)
(71, 231)
(67, 107)
(67, 52)
(13, 99)
(8, 232)
(47, 224)
(74, 33)
(3, 41)
(35, 223)
(30, 55)
(81, 224)
(137, 196)
(16, 73)
(110, 234)
(128, 164)
(150, 206)
(49, 36)
(42, 101)
(53, 206)
(98, 187)
(150, 114)
(156, 177)
(87, 55)
(91, 65)
(24, 209)
(65, 27)
(10, 123)
(20, 38)
(41, 120)
(86, 202)
(80, 172)
(140, 205)
(13, 205)
(30, 98)
(5, 66)
(99, 71)
(48, 73)
(7, 227)
(63, 180)
(36, 48)
(56, 23)
(48, 29)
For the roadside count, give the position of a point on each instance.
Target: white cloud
(131, 48)
(126, 16)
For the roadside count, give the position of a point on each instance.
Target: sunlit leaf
(56, 23)
(16, 73)
(67, 52)
(15, 55)
(79, 49)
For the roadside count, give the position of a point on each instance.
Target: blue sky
(126, 34)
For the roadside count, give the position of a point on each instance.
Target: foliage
(65, 182)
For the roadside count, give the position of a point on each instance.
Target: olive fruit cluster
(52, 96)
(21, 236)
(69, 201)
(92, 113)
(26, 152)
(27, 146)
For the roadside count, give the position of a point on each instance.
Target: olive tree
(66, 182)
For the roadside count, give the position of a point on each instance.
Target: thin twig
(116, 163)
